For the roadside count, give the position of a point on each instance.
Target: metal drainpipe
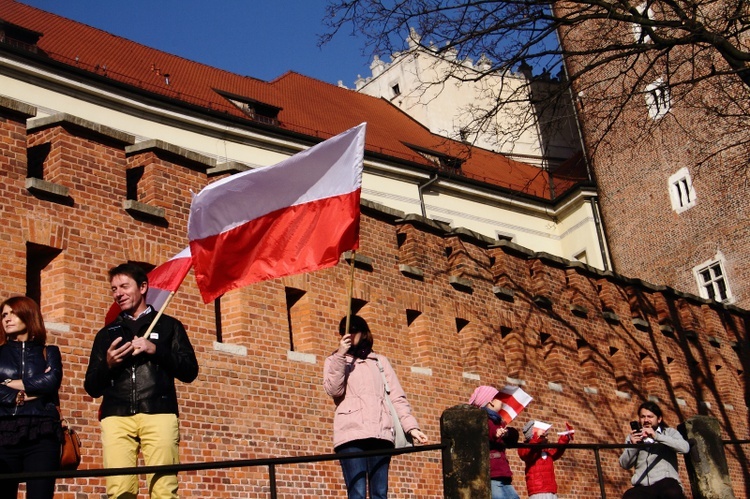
(421, 188)
(599, 232)
(594, 201)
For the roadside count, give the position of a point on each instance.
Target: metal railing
(273, 463)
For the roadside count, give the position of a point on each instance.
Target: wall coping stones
(308, 358)
(180, 152)
(230, 348)
(61, 119)
(18, 107)
(380, 210)
(230, 167)
(425, 223)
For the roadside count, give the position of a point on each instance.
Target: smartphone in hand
(635, 426)
(117, 331)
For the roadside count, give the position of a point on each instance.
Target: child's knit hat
(483, 395)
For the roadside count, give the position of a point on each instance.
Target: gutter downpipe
(422, 187)
(598, 224)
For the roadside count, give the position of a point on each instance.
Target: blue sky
(258, 38)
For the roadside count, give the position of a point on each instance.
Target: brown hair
(28, 311)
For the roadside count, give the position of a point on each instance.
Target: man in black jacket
(135, 376)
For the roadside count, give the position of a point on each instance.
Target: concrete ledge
(18, 107)
(590, 390)
(57, 327)
(471, 376)
(230, 167)
(137, 208)
(47, 189)
(622, 395)
(409, 271)
(360, 261)
(308, 358)
(515, 381)
(36, 124)
(424, 223)
(425, 371)
(681, 402)
(230, 348)
(460, 283)
(555, 387)
(380, 210)
(471, 236)
(503, 293)
(180, 152)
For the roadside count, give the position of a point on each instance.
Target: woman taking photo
(353, 376)
(30, 375)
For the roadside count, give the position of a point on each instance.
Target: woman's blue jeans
(361, 471)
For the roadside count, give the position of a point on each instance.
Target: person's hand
(116, 353)
(636, 436)
(345, 344)
(16, 384)
(500, 433)
(570, 429)
(418, 436)
(647, 432)
(141, 345)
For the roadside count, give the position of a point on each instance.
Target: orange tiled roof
(307, 105)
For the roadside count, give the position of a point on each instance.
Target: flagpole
(350, 293)
(158, 315)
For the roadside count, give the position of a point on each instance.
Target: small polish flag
(296, 216)
(514, 401)
(163, 280)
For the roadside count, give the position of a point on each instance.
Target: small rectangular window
(658, 99)
(681, 191)
(712, 280)
(638, 32)
(396, 90)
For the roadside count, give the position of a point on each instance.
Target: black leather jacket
(26, 361)
(143, 383)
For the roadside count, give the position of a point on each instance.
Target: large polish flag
(514, 401)
(293, 217)
(162, 280)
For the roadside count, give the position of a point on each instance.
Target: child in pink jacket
(362, 421)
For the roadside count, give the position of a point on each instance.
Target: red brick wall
(264, 404)
(633, 156)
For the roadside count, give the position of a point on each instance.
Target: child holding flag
(500, 435)
(540, 466)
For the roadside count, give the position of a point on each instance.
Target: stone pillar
(706, 462)
(466, 460)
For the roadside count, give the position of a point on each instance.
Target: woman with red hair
(30, 376)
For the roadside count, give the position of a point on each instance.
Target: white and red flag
(514, 401)
(163, 280)
(296, 216)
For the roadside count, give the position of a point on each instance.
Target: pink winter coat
(358, 392)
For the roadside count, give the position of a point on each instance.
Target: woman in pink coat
(362, 421)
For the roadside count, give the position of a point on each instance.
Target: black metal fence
(273, 463)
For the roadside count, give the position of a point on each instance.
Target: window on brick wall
(712, 280)
(681, 191)
(132, 178)
(38, 258)
(658, 99)
(35, 158)
(294, 312)
(638, 32)
(581, 257)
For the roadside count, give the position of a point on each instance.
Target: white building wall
(530, 224)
